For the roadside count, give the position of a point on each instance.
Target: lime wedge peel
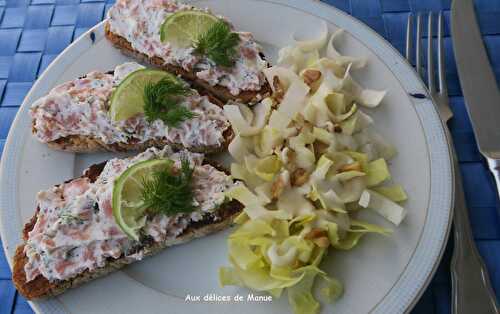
(128, 208)
(128, 97)
(183, 28)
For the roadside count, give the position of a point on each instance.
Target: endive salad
(308, 160)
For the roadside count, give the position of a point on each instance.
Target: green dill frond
(219, 44)
(175, 116)
(68, 218)
(170, 192)
(162, 99)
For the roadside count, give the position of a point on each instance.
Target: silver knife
(483, 105)
(478, 83)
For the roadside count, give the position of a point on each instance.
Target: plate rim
(308, 7)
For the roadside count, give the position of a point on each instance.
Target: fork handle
(471, 287)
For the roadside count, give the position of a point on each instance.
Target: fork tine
(443, 88)
(409, 41)
(418, 49)
(430, 57)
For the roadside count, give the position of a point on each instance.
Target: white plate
(382, 275)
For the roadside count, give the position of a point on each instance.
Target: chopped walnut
(279, 91)
(290, 154)
(307, 126)
(322, 242)
(320, 147)
(299, 177)
(355, 166)
(315, 233)
(311, 76)
(278, 187)
(297, 264)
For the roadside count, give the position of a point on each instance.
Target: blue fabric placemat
(32, 33)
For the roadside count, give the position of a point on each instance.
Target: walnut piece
(315, 233)
(277, 188)
(322, 242)
(311, 76)
(279, 91)
(299, 177)
(291, 155)
(320, 147)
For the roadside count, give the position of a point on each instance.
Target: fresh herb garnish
(96, 207)
(169, 193)
(161, 101)
(218, 43)
(69, 253)
(68, 218)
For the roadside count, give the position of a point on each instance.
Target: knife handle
(472, 292)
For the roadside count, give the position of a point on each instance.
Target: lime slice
(128, 98)
(128, 207)
(183, 28)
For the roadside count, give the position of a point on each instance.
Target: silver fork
(471, 288)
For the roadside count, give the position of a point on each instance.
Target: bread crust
(41, 287)
(89, 144)
(218, 91)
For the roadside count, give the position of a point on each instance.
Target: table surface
(34, 32)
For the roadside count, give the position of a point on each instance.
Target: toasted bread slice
(88, 144)
(57, 128)
(41, 287)
(244, 94)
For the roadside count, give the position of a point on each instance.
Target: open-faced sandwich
(194, 43)
(117, 213)
(130, 108)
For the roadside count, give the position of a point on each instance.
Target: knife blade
(479, 86)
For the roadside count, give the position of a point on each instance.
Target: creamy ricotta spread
(75, 229)
(139, 22)
(80, 107)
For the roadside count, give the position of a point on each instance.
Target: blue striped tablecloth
(32, 33)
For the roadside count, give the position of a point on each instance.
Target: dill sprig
(161, 101)
(68, 218)
(218, 43)
(169, 192)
